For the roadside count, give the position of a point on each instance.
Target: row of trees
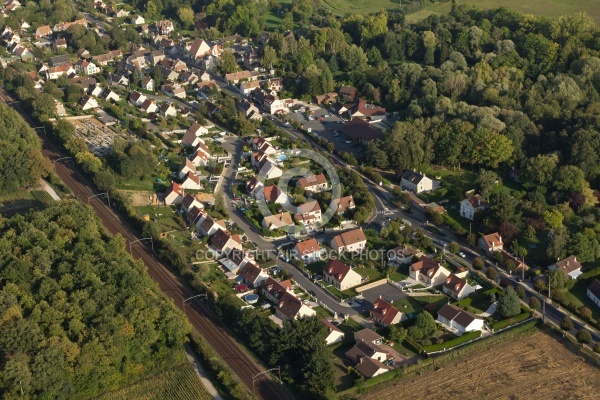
(79, 316)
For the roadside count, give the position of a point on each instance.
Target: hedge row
(511, 321)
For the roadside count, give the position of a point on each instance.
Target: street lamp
(141, 240)
(100, 194)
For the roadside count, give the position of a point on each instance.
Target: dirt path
(201, 373)
(49, 189)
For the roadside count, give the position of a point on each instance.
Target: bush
(534, 303)
(566, 324)
(491, 273)
(478, 263)
(585, 313)
(597, 347)
(453, 342)
(584, 336)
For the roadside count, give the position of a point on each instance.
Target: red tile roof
(384, 311)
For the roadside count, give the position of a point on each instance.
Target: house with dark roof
(340, 275)
(459, 320)
(593, 292)
(569, 266)
(367, 349)
(368, 335)
(235, 260)
(253, 275)
(428, 272)
(208, 226)
(384, 313)
(402, 254)
(190, 201)
(491, 243)
(223, 242)
(351, 241)
(360, 131)
(348, 93)
(371, 368)
(416, 182)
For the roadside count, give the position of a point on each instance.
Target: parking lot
(326, 128)
(385, 290)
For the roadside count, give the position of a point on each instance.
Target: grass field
(359, 6)
(534, 367)
(544, 8)
(178, 383)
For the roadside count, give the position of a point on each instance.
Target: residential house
(137, 19)
(199, 49)
(58, 61)
(189, 202)
(491, 243)
(277, 221)
(186, 166)
(402, 254)
(273, 289)
(86, 67)
(43, 31)
(255, 188)
(249, 110)
(313, 183)
(136, 98)
(593, 292)
(173, 90)
(174, 194)
(208, 226)
(149, 107)
(371, 368)
(307, 250)
(340, 275)
(416, 182)
(198, 129)
(309, 214)
(201, 155)
(95, 90)
(190, 139)
(108, 95)
(224, 242)
(253, 275)
(428, 271)
(384, 313)
(364, 349)
(167, 110)
(368, 335)
(569, 266)
(157, 56)
(235, 260)
(188, 78)
(147, 84)
(353, 241)
(191, 181)
(23, 53)
(367, 111)
(290, 307)
(269, 169)
(248, 86)
(273, 195)
(164, 27)
(60, 43)
(84, 53)
(360, 131)
(471, 205)
(459, 320)
(457, 287)
(56, 72)
(334, 334)
(348, 93)
(343, 204)
(85, 81)
(119, 79)
(325, 99)
(236, 77)
(88, 103)
(273, 84)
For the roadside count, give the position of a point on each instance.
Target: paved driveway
(385, 290)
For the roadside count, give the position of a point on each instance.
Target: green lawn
(322, 312)
(372, 273)
(412, 305)
(578, 296)
(543, 8)
(359, 6)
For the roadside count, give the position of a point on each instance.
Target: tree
(540, 170)
(584, 336)
(534, 303)
(570, 178)
(269, 58)
(397, 333)
(43, 107)
(453, 247)
(553, 218)
(478, 263)
(227, 63)
(491, 273)
(559, 280)
(186, 17)
(424, 326)
(508, 303)
(566, 324)
(520, 292)
(487, 181)
(585, 313)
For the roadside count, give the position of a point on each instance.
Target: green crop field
(359, 6)
(545, 8)
(178, 383)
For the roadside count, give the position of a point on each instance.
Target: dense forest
(77, 315)
(21, 159)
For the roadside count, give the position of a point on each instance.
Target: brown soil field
(534, 367)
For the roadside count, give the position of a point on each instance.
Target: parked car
(348, 141)
(460, 253)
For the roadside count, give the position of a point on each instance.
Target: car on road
(463, 255)
(348, 141)
(312, 293)
(317, 278)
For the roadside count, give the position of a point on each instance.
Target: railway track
(200, 316)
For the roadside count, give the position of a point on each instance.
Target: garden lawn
(413, 305)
